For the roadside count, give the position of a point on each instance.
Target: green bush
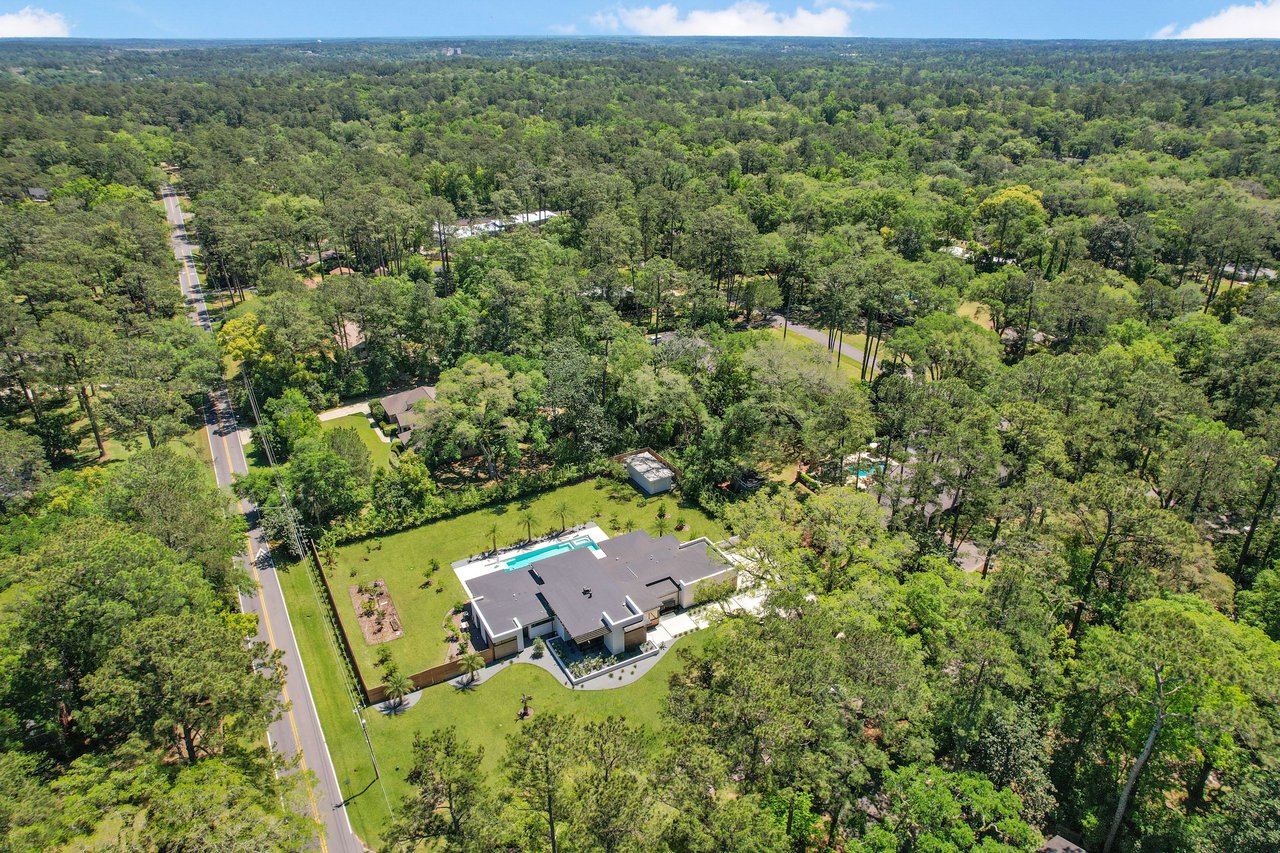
(809, 481)
(448, 504)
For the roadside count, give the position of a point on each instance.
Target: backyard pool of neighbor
(863, 473)
(548, 551)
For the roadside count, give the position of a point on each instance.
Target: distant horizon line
(614, 37)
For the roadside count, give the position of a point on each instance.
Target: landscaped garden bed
(379, 621)
(581, 666)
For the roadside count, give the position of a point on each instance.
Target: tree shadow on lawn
(392, 709)
(352, 797)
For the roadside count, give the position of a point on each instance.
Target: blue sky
(895, 18)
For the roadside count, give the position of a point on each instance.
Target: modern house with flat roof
(609, 592)
(399, 408)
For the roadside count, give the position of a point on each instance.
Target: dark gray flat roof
(662, 588)
(506, 598)
(650, 559)
(579, 588)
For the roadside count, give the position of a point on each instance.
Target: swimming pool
(549, 551)
(863, 473)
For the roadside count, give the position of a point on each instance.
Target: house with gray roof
(609, 594)
(399, 409)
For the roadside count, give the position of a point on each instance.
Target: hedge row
(453, 503)
(809, 481)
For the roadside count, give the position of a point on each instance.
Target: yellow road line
(266, 622)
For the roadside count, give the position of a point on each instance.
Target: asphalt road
(847, 349)
(298, 732)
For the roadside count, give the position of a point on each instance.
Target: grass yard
(402, 559)
(379, 450)
(850, 368)
(484, 715)
(196, 445)
(976, 312)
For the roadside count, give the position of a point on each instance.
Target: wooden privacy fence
(330, 613)
(428, 677)
(378, 692)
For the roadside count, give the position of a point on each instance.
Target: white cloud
(605, 21)
(859, 5)
(30, 22)
(563, 29)
(743, 18)
(1259, 20)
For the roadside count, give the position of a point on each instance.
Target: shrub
(808, 481)
(449, 504)
(539, 647)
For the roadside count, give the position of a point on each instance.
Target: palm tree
(661, 525)
(471, 663)
(493, 536)
(528, 519)
(398, 687)
(562, 510)
(525, 699)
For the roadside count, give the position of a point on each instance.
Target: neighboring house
(650, 473)
(610, 593)
(399, 409)
(466, 229)
(326, 255)
(37, 194)
(1058, 844)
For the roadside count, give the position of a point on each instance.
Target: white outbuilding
(650, 473)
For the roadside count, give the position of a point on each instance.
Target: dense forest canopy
(1021, 547)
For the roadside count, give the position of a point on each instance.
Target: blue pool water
(549, 551)
(866, 472)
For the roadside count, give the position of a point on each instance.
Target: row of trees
(135, 698)
(92, 341)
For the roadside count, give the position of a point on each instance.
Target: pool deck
(485, 564)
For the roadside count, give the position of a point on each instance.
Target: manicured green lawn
(849, 367)
(403, 558)
(484, 715)
(379, 450)
(976, 312)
